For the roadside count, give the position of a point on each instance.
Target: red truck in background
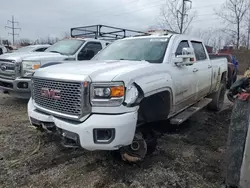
(232, 66)
(226, 52)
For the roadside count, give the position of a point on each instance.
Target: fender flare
(142, 95)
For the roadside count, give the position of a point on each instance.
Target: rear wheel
(218, 98)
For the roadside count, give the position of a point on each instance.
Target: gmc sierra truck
(17, 68)
(104, 103)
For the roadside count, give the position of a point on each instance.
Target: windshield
(148, 49)
(25, 49)
(66, 47)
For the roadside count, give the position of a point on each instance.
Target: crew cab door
(89, 51)
(184, 80)
(202, 70)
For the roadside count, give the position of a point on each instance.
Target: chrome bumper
(15, 87)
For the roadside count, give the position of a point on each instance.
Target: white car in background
(33, 48)
(3, 49)
(17, 68)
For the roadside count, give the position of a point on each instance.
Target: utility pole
(13, 28)
(183, 14)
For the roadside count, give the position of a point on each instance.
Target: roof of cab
(174, 36)
(148, 36)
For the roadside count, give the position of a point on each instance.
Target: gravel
(187, 156)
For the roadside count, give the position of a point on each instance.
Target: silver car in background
(33, 48)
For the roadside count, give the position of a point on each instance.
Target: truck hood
(95, 70)
(19, 56)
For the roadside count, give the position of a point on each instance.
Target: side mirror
(186, 58)
(86, 55)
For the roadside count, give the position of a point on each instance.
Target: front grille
(7, 69)
(58, 96)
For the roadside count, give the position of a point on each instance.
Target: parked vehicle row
(30, 48)
(104, 103)
(16, 69)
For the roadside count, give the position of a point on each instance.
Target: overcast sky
(45, 18)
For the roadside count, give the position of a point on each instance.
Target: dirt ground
(189, 156)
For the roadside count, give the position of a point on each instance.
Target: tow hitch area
(68, 139)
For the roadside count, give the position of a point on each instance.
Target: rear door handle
(209, 66)
(195, 70)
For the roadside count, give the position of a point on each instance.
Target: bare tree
(24, 42)
(48, 40)
(176, 16)
(66, 35)
(233, 12)
(213, 37)
(244, 40)
(247, 23)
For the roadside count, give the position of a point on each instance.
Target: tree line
(234, 28)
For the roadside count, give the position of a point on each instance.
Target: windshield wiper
(133, 59)
(129, 59)
(53, 51)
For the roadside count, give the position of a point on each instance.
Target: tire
(230, 83)
(235, 77)
(218, 98)
(151, 141)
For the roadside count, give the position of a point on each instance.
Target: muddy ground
(189, 156)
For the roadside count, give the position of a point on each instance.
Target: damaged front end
(68, 139)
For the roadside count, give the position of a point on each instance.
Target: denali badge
(51, 93)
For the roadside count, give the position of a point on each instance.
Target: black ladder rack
(104, 32)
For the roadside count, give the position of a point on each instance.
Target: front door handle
(209, 66)
(195, 70)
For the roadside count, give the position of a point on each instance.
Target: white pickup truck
(104, 103)
(17, 68)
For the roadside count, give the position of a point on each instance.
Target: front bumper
(124, 126)
(20, 87)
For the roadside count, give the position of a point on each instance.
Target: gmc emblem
(51, 93)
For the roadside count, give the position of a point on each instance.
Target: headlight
(107, 94)
(29, 67)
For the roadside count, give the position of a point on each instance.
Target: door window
(89, 50)
(199, 51)
(183, 44)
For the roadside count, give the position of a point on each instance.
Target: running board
(184, 115)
